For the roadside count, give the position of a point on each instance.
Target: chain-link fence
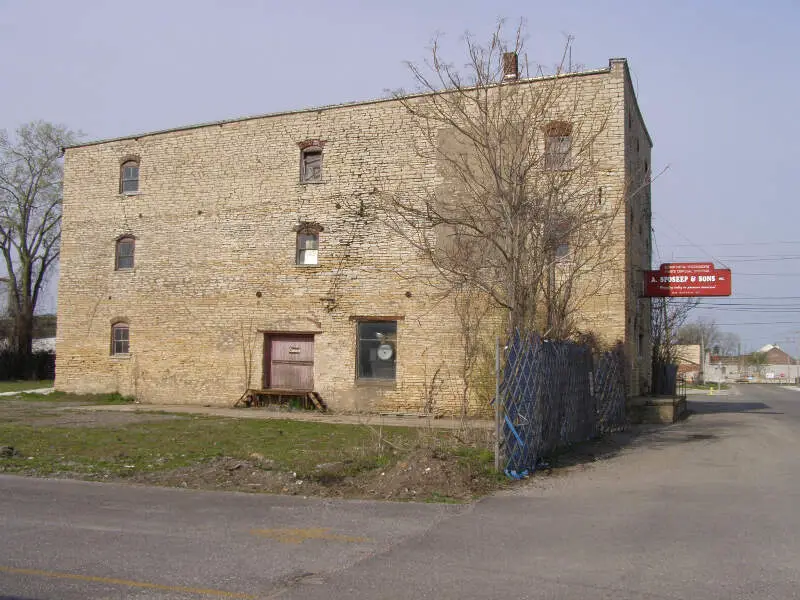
(553, 394)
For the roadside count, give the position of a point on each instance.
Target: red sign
(687, 280)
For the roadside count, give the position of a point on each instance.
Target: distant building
(775, 355)
(688, 358)
(777, 366)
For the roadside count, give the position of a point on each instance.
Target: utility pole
(702, 360)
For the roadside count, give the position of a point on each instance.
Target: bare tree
(30, 217)
(728, 344)
(518, 214)
(757, 360)
(702, 331)
(668, 317)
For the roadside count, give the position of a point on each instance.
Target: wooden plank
(316, 400)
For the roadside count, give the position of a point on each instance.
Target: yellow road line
(298, 536)
(127, 583)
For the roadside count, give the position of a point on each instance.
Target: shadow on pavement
(660, 436)
(649, 436)
(711, 407)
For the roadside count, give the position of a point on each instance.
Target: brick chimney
(510, 66)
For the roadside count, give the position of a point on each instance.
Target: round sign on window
(385, 352)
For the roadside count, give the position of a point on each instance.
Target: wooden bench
(310, 399)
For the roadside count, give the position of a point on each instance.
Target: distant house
(777, 365)
(777, 356)
(688, 358)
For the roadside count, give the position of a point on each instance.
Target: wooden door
(290, 362)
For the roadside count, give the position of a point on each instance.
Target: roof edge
(321, 108)
(624, 62)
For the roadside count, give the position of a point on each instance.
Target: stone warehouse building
(204, 260)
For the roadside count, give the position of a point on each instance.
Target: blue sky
(716, 82)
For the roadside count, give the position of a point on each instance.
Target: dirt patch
(68, 414)
(67, 439)
(101, 419)
(423, 475)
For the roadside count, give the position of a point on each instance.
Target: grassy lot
(76, 399)
(280, 456)
(16, 386)
(706, 386)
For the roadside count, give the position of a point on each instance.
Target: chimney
(510, 66)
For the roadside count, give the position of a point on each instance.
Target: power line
(691, 243)
(739, 244)
(735, 272)
(752, 258)
(758, 323)
(737, 297)
(756, 310)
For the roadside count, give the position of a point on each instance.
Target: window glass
(125, 251)
(311, 165)
(120, 339)
(377, 349)
(130, 178)
(307, 248)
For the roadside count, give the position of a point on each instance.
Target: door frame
(266, 367)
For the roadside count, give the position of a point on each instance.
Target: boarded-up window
(124, 253)
(557, 150)
(558, 146)
(377, 350)
(129, 177)
(120, 338)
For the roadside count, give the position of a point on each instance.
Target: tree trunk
(22, 335)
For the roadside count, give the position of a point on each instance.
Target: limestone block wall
(638, 169)
(214, 224)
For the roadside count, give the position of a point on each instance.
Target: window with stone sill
(120, 339)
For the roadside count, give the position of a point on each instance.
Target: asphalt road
(707, 508)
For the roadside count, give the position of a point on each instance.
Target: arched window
(123, 254)
(129, 177)
(120, 339)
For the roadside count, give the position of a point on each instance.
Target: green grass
(706, 386)
(16, 386)
(152, 446)
(479, 461)
(73, 398)
(341, 456)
